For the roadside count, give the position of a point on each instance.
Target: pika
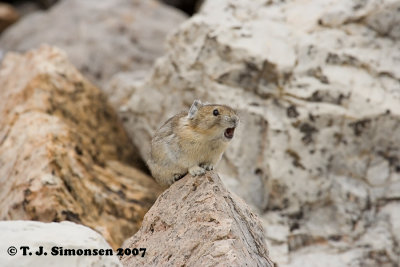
(191, 142)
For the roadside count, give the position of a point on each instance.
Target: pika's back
(168, 128)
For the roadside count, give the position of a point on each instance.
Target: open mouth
(229, 132)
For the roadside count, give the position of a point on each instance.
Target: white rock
(52, 236)
(315, 257)
(317, 87)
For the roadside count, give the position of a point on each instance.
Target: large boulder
(101, 38)
(63, 152)
(58, 240)
(317, 87)
(198, 222)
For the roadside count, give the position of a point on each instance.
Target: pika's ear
(194, 108)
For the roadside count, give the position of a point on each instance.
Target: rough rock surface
(317, 85)
(101, 38)
(63, 153)
(65, 235)
(8, 15)
(198, 222)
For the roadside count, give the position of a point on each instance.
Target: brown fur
(190, 142)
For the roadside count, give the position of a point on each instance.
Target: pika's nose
(235, 120)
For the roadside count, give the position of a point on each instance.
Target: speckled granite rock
(63, 153)
(198, 222)
(317, 86)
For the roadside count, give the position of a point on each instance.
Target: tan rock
(198, 222)
(63, 153)
(8, 15)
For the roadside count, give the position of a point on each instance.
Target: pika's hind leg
(197, 171)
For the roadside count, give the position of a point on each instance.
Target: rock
(56, 238)
(8, 15)
(197, 221)
(63, 152)
(101, 38)
(317, 152)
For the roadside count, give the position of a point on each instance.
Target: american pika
(191, 142)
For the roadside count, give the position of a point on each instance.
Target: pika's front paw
(197, 171)
(207, 166)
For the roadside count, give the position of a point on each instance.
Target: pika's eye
(215, 112)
